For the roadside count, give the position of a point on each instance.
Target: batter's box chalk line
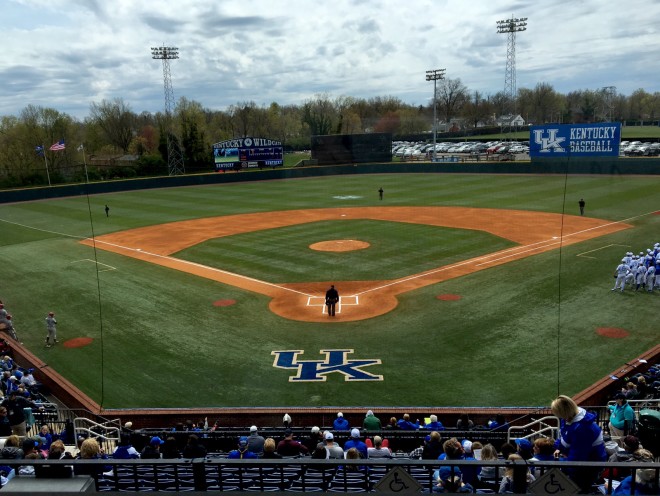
(88, 260)
(319, 301)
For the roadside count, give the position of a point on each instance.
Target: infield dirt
(534, 233)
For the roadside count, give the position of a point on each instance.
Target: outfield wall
(615, 166)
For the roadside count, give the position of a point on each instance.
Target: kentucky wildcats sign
(575, 140)
(336, 361)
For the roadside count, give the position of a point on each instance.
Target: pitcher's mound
(77, 342)
(612, 332)
(340, 245)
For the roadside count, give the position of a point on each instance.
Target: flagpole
(82, 148)
(46, 162)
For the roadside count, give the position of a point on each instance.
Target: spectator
(453, 450)
(5, 427)
(406, 425)
(314, 438)
(464, 423)
(432, 447)
(170, 449)
(152, 450)
(194, 449)
(630, 391)
(434, 424)
(255, 441)
(28, 469)
(625, 454)
(286, 420)
(30, 446)
(580, 439)
(242, 452)
(642, 386)
(90, 450)
(622, 417)
(392, 424)
(378, 451)
(499, 423)
(58, 451)
(506, 486)
(449, 480)
(371, 422)
(644, 477)
(340, 423)
(544, 451)
(125, 450)
(46, 436)
(488, 474)
(355, 442)
(320, 453)
(289, 447)
(269, 449)
(334, 450)
(507, 449)
(476, 449)
(525, 448)
(354, 454)
(16, 405)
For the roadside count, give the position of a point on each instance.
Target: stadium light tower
(511, 27)
(174, 157)
(434, 75)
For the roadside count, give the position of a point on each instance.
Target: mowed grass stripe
(397, 250)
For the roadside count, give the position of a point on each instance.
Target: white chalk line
(110, 267)
(584, 253)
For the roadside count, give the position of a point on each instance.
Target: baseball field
(456, 289)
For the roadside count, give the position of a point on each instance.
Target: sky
(68, 54)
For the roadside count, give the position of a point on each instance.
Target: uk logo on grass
(336, 361)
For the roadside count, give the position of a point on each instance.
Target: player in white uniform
(650, 278)
(640, 277)
(620, 274)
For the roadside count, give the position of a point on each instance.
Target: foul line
(195, 264)
(110, 267)
(584, 254)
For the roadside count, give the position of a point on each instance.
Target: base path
(534, 232)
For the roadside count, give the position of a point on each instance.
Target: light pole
(510, 27)
(174, 155)
(434, 75)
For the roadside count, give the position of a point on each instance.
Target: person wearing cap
(289, 447)
(355, 442)
(371, 422)
(152, 450)
(524, 448)
(242, 452)
(582, 204)
(334, 450)
(340, 423)
(9, 327)
(255, 441)
(16, 405)
(449, 479)
(622, 417)
(626, 453)
(620, 274)
(51, 329)
(125, 450)
(331, 300)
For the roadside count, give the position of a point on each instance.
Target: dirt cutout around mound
(339, 245)
(77, 342)
(612, 332)
(534, 232)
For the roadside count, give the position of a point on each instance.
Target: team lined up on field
(639, 271)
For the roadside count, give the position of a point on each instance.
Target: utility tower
(174, 156)
(609, 92)
(511, 27)
(434, 76)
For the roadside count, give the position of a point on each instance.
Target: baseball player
(620, 274)
(51, 329)
(650, 278)
(640, 277)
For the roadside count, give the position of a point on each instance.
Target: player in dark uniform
(331, 299)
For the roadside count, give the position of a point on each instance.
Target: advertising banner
(575, 140)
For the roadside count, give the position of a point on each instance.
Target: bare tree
(452, 95)
(116, 120)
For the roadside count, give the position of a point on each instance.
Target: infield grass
(520, 334)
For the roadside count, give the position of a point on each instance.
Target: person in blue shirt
(355, 442)
(340, 423)
(644, 477)
(580, 440)
(434, 424)
(622, 417)
(242, 452)
(406, 425)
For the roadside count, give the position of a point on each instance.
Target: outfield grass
(521, 333)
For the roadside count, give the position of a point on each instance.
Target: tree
(116, 120)
(452, 95)
(477, 109)
(320, 115)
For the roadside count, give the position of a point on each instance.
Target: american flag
(57, 146)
